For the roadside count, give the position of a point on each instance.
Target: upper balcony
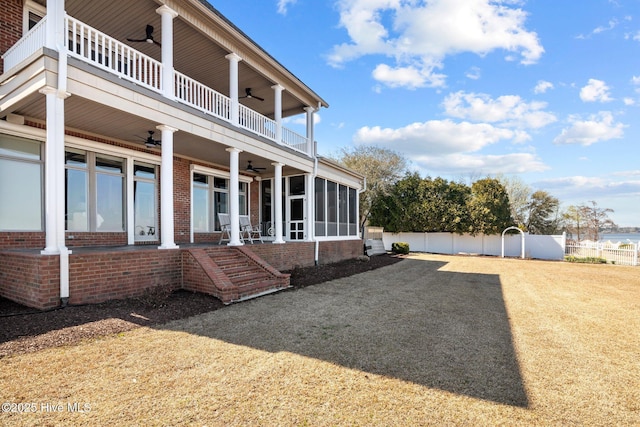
(125, 39)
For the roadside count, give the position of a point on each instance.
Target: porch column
(55, 32)
(167, 14)
(234, 196)
(54, 182)
(233, 87)
(167, 239)
(277, 111)
(310, 185)
(277, 200)
(310, 131)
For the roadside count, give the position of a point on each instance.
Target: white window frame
(31, 7)
(214, 173)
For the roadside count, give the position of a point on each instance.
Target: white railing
(99, 49)
(256, 122)
(201, 97)
(94, 47)
(26, 46)
(294, 140)
(616, 253)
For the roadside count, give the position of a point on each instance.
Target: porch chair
(225, 227)
(248, 231)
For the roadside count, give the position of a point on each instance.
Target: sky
(545, 90)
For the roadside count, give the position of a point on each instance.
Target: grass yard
(432, 340)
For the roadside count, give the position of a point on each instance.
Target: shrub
(586, 260)
(400, 248)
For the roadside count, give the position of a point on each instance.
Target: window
(211, 197)
(336, 209)
(94, 192)
(21, 170)
(33, 13)
(145, 205)
(320, 206)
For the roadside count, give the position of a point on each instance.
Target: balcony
(100, 50)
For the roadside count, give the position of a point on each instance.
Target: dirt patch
(26, 330)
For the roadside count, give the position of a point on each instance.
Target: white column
(310, 131)
(167, 239)
(277, 111)
(277, 201)
(310, 186)
(234, 195)
(233, 86)
(167, 14)
(54, 31)
(54, 173)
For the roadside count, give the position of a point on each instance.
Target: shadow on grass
(411, 321)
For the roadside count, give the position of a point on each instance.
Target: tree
(519, 193)
(488, 207)
(575, 221)
(380, 166)
(541, 213)
(596, 219)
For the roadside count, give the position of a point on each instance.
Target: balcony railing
(99, 49)
(201, 97)
(92, 46)
(26, 46)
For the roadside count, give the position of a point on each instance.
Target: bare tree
(596, 219)
(382, 168)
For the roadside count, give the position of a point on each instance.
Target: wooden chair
(248, 231)
(225, 227)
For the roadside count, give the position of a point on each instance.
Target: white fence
(616, 253)
(538, 247)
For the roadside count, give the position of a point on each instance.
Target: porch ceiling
(90, 118)
(196, 54)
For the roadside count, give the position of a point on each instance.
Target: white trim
(336, 238)
(217, 172)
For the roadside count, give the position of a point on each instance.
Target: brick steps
(232, 274)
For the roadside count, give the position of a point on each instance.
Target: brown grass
(432, 340)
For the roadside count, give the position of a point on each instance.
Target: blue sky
(545, 90)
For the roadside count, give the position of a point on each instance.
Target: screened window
(21, 192)
(320, 206)
(336, 209)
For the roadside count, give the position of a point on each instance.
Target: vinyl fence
(538, 247)
(616, 253)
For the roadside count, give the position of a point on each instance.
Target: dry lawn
(432, 340)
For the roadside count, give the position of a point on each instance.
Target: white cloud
(283, 5)
(508, 110)
(629, 101)
(611, 25)
(473, 73)
(598, 127)
(418, 35)
(635, 80)
(542, 86)
(458, 164)
(584, 188)
(595, 90)
(435, 137)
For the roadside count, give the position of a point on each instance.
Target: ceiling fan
(148, 38)
(251, 168)
(249, 95)
(149, 141)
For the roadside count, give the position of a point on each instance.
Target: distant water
(620, 237)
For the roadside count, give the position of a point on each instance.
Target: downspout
(64, 251)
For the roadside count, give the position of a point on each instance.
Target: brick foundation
(102, 274)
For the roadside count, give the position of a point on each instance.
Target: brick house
(127, 128)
